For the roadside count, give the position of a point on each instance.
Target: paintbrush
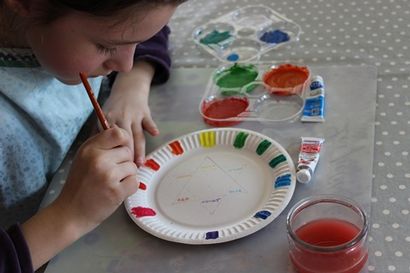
(96, 105)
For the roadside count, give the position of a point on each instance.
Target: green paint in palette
(215, 37)
(236, 77)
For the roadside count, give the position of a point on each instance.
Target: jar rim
(327, 198)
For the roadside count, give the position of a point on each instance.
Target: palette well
(254, 92)
(212, 186)
(245, 34)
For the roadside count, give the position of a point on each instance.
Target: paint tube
(308, 158)
(313, 110)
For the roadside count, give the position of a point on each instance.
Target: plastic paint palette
(274, 94)
(245, 34)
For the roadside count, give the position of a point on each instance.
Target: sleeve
(155, 51)
(14, 253)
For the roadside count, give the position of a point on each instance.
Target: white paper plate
(212, 186)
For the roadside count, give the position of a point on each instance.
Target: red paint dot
(176, 148)
(142, 186)
(151, 163)
(142, 212)
(217, 110)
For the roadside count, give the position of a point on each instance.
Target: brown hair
(100, 8)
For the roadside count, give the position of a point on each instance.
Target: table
(338, 33)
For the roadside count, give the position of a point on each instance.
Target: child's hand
(103, 174)
(127, 107)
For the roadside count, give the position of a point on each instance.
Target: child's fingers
(122, 171)
(139, 145)
(149, 125)
(119, 155)
(112, 137)
(129, 186)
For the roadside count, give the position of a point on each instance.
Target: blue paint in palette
(263, 214)
(211, 235)
(275, 37)
(233, 57)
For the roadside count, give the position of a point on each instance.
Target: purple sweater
(14, 252)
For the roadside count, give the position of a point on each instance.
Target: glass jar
(327, 233)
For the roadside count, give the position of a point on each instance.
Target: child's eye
(106, 50)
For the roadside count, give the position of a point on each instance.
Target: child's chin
(70, 81)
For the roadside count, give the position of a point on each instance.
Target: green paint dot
(240, 140)
(215, 37)
(237, 76)
(277, 160)
(262, 147)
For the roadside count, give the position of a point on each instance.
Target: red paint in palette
(176, 148)
(152, 164)
(218, 112)
(329, 233)
(142, 212)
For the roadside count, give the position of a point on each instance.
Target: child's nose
(122, 62)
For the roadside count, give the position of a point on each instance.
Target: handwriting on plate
(211, 201)
(182, 199)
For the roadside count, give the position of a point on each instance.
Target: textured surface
(120, 246)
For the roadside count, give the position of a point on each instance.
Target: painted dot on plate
(402, 187)
(408, 239)
(407, 175)
(388, 238)
(371, 268)
(387, 154)
(390, 175)
(405, 153)
(392, 199)
(398, 254)
(374, 199)
(375, 225)
(398, 164)
(378, 253)
(405, 211)
(383, 187)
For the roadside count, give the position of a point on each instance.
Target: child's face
(79, 43)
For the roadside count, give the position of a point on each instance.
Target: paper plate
(212, 186)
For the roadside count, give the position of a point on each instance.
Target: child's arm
(103, 174)
(127, 105)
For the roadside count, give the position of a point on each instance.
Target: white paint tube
(308, 158)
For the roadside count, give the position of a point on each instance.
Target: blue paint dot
(212, 235)
(263, 214)
(233, 57)
(275, 37)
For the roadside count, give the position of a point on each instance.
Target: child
(43, 46)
